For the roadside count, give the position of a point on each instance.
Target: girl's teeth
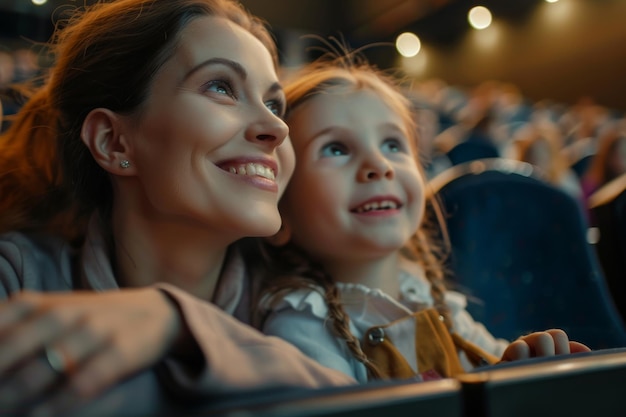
(383, 205)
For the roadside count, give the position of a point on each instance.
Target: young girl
(155, 145)
(358, 281)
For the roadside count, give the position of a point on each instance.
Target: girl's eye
(392, 146)
(277, 107)
(333, 149)
(220, 87)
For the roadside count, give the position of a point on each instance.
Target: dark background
(561, 51)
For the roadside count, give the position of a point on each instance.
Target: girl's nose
(374, 168)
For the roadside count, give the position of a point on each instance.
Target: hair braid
(428, 247)
(288, 269)
(434, 274)
(341, 325)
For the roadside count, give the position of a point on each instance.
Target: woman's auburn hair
(105, 56)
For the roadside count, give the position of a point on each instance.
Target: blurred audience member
(583, 120)
(7, 69)
(540, 144)
(609, 161)
(26, 65)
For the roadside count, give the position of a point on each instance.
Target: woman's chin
(265, 226)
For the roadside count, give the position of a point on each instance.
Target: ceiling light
(408, 44)
(479, 17)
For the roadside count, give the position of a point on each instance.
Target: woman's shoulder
(34, 261)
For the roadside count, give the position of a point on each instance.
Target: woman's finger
(79, 365)
(28, 336)
(56, 363)
(33, 377)
(16, 310)
(104, 368)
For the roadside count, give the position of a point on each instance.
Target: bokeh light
(479, 17)
(408, 44)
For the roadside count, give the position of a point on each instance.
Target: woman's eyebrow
(235, 66)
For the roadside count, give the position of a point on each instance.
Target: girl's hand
(59, 350)
(549, 343)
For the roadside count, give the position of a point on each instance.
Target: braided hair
(289, 268)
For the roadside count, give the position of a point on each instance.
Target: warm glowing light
(479, 17)
(39, 2)
(408, 44)
(551, 1)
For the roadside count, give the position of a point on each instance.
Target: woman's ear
(102, 133)
(282, 237)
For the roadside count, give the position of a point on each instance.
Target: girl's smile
(378, 206)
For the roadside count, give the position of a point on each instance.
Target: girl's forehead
(345, 112)
(341, 105)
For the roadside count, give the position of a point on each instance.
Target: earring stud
(124, 163)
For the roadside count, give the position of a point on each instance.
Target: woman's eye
(220, 87)
(277, 107)
(333, 149)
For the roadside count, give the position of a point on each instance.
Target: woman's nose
(267, 129)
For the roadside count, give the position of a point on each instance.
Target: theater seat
(470, 150)
(608, 206)
(578, 385)
(441, 397)
(519, 249)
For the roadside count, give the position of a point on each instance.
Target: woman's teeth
(252, 169)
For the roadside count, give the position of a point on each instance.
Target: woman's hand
(59, 350)
(549, 343)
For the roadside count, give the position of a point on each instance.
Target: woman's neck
(147, 251)
(380, 273)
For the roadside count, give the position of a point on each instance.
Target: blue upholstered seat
(608, 206)
(519, 249)
(470, 150)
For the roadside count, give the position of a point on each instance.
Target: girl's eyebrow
(335, 128)
(323, 132)
(393, 126)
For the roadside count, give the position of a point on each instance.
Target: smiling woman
(155, 145)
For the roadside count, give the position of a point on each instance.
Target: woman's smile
(260, 173)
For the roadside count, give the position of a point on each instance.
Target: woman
(155, 145)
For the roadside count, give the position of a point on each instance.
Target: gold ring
(59, 360)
